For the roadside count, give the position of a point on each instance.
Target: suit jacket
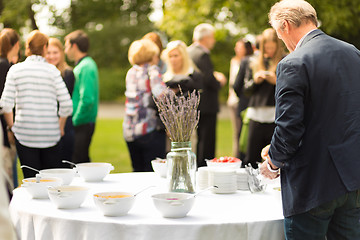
(209, 100)
(317, 135)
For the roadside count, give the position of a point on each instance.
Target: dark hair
(35, 43)
(8, 38)
(248, 47)
(80, 38)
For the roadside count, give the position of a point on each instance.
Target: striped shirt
(35, 88)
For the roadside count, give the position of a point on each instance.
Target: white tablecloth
(241, 215)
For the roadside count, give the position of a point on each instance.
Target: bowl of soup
(173, 205)
(94, 172)
(37, 187)
(114, 204)
(160, 167)
(66, 174)
(67, 197)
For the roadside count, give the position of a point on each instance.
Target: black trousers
(146, 148)
(67, 141)
(259, 136)
(206, 134)
(82, 137)
(38, 158)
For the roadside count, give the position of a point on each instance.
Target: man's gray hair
(202, 30)
(296, 12)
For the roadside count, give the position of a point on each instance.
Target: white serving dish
(160, 167)
(173, 205)
(233, 165)
(94, 172)
(39, 189)
(67, 197)
(114, 206)
(66, 174)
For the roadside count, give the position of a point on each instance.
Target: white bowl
(173, 205)
(68, 197)
(66, 174)
(94, 172)
(39, 190)
(160, 167)
(114, 203)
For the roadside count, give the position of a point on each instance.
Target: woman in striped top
(35, 88)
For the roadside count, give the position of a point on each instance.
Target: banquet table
(241, 215)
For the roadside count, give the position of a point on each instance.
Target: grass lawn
(108, 144)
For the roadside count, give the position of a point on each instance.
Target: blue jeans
(337, 220)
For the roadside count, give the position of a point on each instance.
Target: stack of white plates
(224, 179)
(202, 178)
(242, 179)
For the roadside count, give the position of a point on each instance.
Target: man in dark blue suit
(316, 142)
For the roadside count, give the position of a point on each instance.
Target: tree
(111, 24)
(19, 13)
(338, 18)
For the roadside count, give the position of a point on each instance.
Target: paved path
(116, 110)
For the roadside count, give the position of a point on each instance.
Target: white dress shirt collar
(302, 39)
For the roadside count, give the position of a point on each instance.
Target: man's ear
(75, 46)
(286, 26)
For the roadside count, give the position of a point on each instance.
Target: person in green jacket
(85, 95)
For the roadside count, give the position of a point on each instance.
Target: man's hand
(267, 168)
(265, 171)
(265, 153)
(221, 78)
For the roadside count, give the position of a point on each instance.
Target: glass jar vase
(181, 168)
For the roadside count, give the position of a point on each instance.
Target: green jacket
(86, 92)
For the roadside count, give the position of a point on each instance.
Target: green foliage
(112, 25)
(19, 13)
(112, 83)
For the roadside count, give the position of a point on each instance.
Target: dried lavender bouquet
(180, 116)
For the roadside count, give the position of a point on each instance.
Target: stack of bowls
(224, 178)
(202, 178)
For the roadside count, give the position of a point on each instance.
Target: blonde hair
(269, 35)
(296, 12)
(35, 43)
(62, 65)
(187, 62)
(142, 51)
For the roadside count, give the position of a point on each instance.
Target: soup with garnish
(112, 196)
(41, 180)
